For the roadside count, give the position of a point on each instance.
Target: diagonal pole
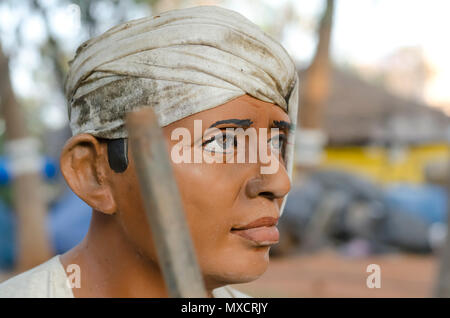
(163, 206)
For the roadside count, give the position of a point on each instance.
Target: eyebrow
(244, 123)
(282, 125)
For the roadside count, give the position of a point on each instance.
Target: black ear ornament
(118, 154)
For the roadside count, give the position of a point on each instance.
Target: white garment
(49, 280)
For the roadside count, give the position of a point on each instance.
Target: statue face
(230, 207)
(219, 197)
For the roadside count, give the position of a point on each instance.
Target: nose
(271, 186)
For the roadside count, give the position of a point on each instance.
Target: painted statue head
(214, 80)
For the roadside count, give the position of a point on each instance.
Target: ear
(83, 164)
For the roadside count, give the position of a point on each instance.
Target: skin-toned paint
(117, 258)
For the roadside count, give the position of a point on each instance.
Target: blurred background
(371, 183)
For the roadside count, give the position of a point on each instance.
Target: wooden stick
(163, 206)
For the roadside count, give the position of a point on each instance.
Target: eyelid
(214, 131)
(231, 130)
(208, 140)
(283, 137)
(279, 133)
(213, 137)
(206, 135)
(208, 143)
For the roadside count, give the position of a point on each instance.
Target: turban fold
(180, 62)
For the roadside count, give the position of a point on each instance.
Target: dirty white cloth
(49, 280)
(180, 63)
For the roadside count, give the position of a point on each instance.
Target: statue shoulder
(229, 292)
(46, 280)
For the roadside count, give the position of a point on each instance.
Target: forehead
(261, 114)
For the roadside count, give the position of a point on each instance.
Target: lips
(262, 231)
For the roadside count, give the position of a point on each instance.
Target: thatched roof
(360, 112)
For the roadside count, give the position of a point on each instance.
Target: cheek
(213, 201)
(207, 193)
(132, 218)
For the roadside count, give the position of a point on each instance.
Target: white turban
(180, 62)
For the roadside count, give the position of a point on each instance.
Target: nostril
(268, 195)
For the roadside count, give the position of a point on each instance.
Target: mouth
(262, 232)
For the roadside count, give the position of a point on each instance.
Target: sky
(364, 33)
(367, 31)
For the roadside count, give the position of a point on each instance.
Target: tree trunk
(33, 246)
(316, 81)
(314, 93)
(443, 282)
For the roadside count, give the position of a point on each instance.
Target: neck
(111, 266)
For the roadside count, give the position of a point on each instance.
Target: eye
(278, 143)
(220, 143)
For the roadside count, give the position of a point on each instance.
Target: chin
(244, 267)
